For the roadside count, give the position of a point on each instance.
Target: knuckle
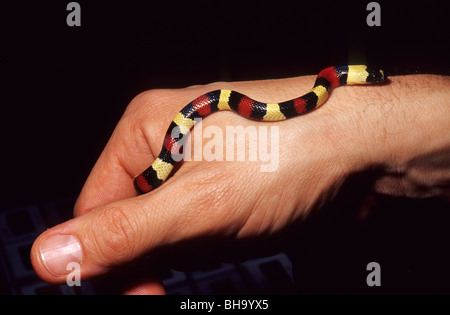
(144, 101)
(217, 86)
(114, 235)
(209, 86)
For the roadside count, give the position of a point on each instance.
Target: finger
(108, 182)
(125, 230)
(136, 278)
(146, 287)
(140, 277)
(111, 176)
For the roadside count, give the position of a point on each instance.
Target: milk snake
(217, 100)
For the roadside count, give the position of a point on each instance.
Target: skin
(401, 128)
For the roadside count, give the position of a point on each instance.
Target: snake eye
(375, 76)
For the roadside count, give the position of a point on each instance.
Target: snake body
(218, 100)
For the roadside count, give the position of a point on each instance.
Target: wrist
(403, 127)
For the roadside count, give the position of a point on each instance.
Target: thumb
(122, 231)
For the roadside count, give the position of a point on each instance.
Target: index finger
(126, 152)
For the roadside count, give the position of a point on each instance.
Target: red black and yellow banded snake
(217, 100)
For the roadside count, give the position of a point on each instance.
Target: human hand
(358, 128)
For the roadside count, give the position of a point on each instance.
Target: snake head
(376, 76)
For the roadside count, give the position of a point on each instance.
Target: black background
(64, 88)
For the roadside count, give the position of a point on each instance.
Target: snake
(218, 100)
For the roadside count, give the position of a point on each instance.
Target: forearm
(404, 129)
